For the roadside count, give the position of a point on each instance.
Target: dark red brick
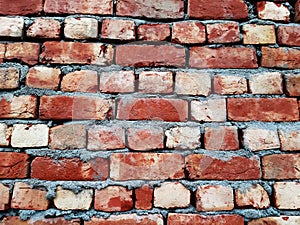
(13, 165)
(21, 7)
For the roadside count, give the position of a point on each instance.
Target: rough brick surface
(13, 165)
(282, 220)
(4, 197)
(156, 82)
(229, 85)
(188, 32)
(271, 11)
(266, 83)
(143, 197)
(209, 110)
(21, 7)
(297, 9)
(293, 84)
(23, 51)
(81, 28)
(11, 27)
(15, 220)
(225, 32)
(287, 195)
(153, 32)
(289, 139)
(123, 30)
(44, 28)
(9, 78)
(183, 138)
(117, 82)
(5, 134)
(259, 34)
(289, 35)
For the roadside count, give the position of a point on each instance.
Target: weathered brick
(67, 136)
(221, 138)
(229, 85)
(28, 135)
(293, 84)
(272, 11)
(15, 220)
(113, 199)
(196, 219)
(154, 32)
(106, 138)
(5, 134)
(44, 28)
(286, 58)
(143, 197)
(132, 219)
(287, 195)
(152, 109)
(9, 78)
(25, 197)
(225, 32)
(150, 55)
(43, 77)
(188, 33)
(145, 138)
(214, 198)
(282, 220)
(202, 9)
(45, 168)
(24, 51)
(76, 53)
(4, 197)
(183, 138)
(266, 83)
(158, 9)
(114, 29)
(297, 11)
(117, 81)
(156, 82)
(209, 110)
(11, 27)
(223, 57)
(21, 7)
(205, 167)
(68, 200)
(258, 34)
(193, 83)
(80, 81)
(81, 28)
(289, 139)
(257, 139)
(171, 195)
(262, 109)
(13, 165)
(289, 35)
(254, 196)
(21, 107)
(281, 167)
(2, 51)
(147, 166)
(78, 107)
(99, 7)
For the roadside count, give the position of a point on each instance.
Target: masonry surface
(162, 112)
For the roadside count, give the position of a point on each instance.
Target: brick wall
(162, 112)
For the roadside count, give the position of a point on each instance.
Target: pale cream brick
(287, 195)
(289, 139)
(209, 110)
(183, 137)
(259, 34)
(266, 83)
(11, 27)
(81, 28)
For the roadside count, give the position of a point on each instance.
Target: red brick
(4, 197)
(221, 138)
(262, 109)
(152, 109)
(21, 7)
(223, 57)
(156, 82)
(81, 28)
(24, 197)
(45, 168)
(287, 195)
(106, 138)
(80, 81)
(202, 9)
(13, 165)
(281, 167)
(209, 110)
(259, 34)
(225, 32)
(282, 220)
(196, 219)
(11, 27)
(76, 53)
(146, 138)
(205, 167)
(293, 84)
(158, 9)
(289, 139)
(288, 35)
(44, 28)
(80, 107)
(21, 107)
(43, 77)
(297, 11)
(266, 83)
(229, 85)
(154, 32)
(9, 78)
(98, 7)
(146, 166)
(117, 82)
(272, 11)
(24, 51)
(2, 52)
(286, 58)
(113, 199)
(14, 220)
(150, 55)
(114, 29)
(143, 197)
(188, 32)
(67, 136)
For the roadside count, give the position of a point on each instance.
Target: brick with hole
(106, 138)
(289, 139)
(9, 78)
(80, 81)
(11, 27)
(113, 199)
(155, 82)
(21, 7)
(273, 11)
(171, 195)
(230, 84)
(44, 28)
(145, 138)
(266, 83)
(153, 32)
(26, 197)
(188, 32)
(258, 34)
(146, 166)
(288, 35)
(5, 134)
(14, 165)
(143, 197)
(225, 32)
(15, 220)
(81, 28)
(4, 197)
(292, 82)
(287, 195)
(117, 82)
(43, 77)
(117, 29)
(280, 220)
(27, 52)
